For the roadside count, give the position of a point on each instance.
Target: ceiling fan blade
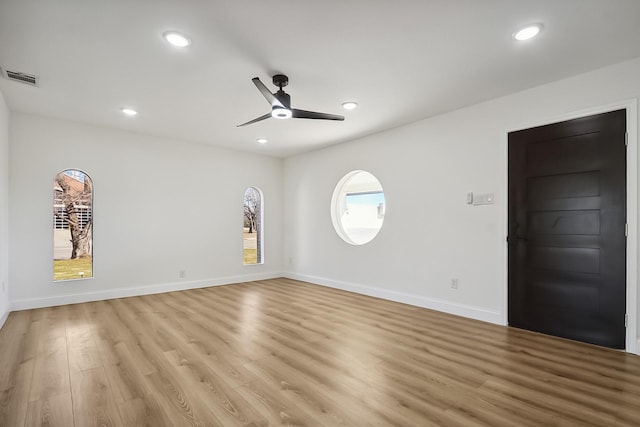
(303, 114)
(266, 93)
(266, 116)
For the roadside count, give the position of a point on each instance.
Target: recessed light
(129, 112)
(262, 140)
(528, 32)
(176, 39)
(349, 105)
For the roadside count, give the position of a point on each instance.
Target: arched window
(72, 225)
(252, 243)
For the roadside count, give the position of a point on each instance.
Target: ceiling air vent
(17, 76)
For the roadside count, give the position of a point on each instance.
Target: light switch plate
(483, 199)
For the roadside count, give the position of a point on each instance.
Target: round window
(357, 207)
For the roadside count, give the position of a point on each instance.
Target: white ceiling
(400, 60)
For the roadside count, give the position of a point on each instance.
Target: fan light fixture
(349, 105)
(528, 32)
(176, 39)
(280, 103)
(280, 113)
(129, 112)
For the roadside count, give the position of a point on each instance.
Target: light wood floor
(281, 352)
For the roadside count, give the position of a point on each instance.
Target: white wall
(186, 219)
(160, 206)
(4, 210)
(430, 235)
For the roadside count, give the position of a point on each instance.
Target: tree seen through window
(252, 227)
(72, 225)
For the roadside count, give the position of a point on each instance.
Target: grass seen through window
(67, 269)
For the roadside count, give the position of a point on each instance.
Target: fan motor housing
(280, 80)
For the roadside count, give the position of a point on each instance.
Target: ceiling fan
(281, 103)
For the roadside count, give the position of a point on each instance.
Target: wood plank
(275, 408)
(51, 371)
(81, 345)
(19, 336)
(94, 403)
(211, 394)
(283, 352)
(56, 411)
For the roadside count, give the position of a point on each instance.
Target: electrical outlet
(454, 283)
(182, 274)
(3, 286)
(290, 260)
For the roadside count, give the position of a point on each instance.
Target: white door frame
(631, 107)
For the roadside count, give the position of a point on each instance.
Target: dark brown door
(567, 244)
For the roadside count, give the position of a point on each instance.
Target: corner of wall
(5, 306)
(3, 317)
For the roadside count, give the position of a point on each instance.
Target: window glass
(358, 207)
(252, 227)
(72, 225)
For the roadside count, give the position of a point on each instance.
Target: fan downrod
(280, 80)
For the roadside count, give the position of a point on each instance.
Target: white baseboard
(463, 310)
(26, 304)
